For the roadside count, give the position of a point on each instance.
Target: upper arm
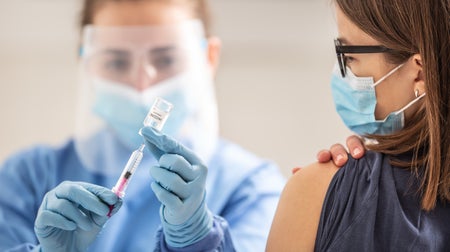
(294, 227)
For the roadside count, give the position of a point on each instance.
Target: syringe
(156, 118)
(133, 162)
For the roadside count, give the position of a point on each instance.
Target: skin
(397, 90)
(339, 154)
(296, 221)
(141, 13)
(152, 13)
(159, 13)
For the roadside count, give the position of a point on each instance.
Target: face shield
(123, 70)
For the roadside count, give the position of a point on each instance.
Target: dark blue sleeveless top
(373, 206)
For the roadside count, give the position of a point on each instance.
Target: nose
(147, 76)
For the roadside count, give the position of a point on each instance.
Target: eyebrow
(162, 49)
(116, 52)
(344, 41)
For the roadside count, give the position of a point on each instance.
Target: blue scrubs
(241, 188)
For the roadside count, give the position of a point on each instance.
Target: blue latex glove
(72, 214)
(180, 187)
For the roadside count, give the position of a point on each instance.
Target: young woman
(392, 84)
(59, 198)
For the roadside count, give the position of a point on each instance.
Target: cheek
(369, 65)
(385, 100)
(392, 94)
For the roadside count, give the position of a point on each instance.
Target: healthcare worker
(391, 84)
(204, 193)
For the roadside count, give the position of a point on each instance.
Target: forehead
(140, 13)
(349, 32)
(188, 35)
(137, 36)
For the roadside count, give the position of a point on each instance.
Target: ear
(419, 81)
(213, 53)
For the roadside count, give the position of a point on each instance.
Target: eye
(348, 59)
(164, 62)
(117, 65)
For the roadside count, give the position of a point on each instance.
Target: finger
(339, 154)
(324, 156)
(355, 146)
(179, 165)
(156, 152)
(170, 181)
(51, 219)
(76, 193)
(168, 145)
(166, 198)
(105, 194)
(70, 211)
(296, 169)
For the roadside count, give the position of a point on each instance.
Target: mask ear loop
(411, 103)
(387, 75)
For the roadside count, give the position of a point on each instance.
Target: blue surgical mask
(355, 102)
(122, 115)
(193, 121)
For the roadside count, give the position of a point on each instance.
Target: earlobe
(213, 53)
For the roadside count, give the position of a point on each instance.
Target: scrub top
(374, 206)
(242, 191)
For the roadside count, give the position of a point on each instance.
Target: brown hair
(200, 9)
(416, 27)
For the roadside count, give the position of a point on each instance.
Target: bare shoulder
(315, 174)
(296, 221)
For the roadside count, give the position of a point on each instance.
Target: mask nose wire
(387, 75)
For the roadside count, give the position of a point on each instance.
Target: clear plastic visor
(142, 56)
(122, 71)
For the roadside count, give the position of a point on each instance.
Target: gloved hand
(180, 187)
(72, 214)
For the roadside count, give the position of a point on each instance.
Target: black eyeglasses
(341, 49)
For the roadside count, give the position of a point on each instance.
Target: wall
(272, 86)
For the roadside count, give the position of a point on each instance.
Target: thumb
(160, 144)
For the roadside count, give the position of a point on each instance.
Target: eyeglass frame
(341, 49)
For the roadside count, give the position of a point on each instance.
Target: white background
(272, 85)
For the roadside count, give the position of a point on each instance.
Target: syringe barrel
(133, 162)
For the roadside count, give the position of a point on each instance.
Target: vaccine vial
(156, 118)
(158, 114)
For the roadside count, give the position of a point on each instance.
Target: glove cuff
(194, 229)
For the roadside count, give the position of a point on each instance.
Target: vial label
(158, 114)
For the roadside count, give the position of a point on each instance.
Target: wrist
(194, 229)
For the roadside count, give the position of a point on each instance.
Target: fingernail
(339, 158)
(357, 151)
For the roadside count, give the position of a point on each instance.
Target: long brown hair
(416, 27)
(200, 9)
